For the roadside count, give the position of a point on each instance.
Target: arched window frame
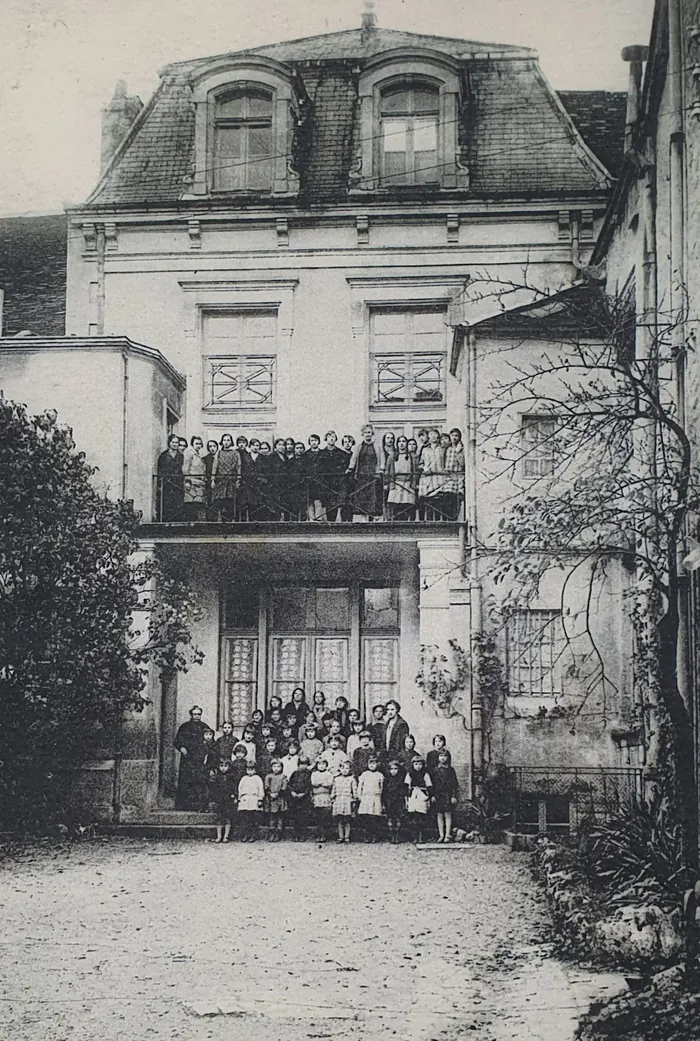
(389, 72)
(242, 75)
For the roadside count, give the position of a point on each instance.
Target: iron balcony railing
(318, 497)
(551, 799)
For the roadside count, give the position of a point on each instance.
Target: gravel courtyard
(136, 940)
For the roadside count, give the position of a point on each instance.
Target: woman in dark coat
(193, 774)
(277, 473)
(171, 487)
(364, 468)
(298, 705)
(212, 449)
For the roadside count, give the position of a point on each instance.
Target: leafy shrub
(635, 856)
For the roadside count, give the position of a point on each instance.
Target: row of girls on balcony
(396, 479)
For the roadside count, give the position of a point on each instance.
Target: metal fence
(558, 799)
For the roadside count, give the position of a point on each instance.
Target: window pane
(332, 609)
(424, 135)
(428, 381)
(260, 105)
(241, 679)
(259, 142)
(396, 101)
(380, 608)
(288, 665)
(290, 608)
(228, 161)
(380, 670)
(535, 649)
(538, 446)
(231, 107)
(392, 322)
(426, 100)
(240, 382)
(241, 607)
(394, 134)
(426, 167)
(392, 380)
(429, 322)
(395, 168)
(331, 668)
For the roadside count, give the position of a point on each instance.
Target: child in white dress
(343, 800)
(251, 796)
(369, 792)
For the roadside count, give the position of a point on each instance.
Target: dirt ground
(137, 940)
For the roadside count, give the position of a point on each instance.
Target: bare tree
(609, 478)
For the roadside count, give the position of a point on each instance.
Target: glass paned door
(240, 678)
(380, 670)
(331, 667)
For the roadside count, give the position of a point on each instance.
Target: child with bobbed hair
(439, 745)
(343, 800)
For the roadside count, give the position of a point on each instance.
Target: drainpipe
(676, 178)
(125, 426)
(100, 245)
(475, 606)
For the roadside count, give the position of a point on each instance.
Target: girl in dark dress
(273, 703)
(299, 793)
(364, 468)
(408, 752)
(439, 745)
(394, 798)
(419, 787)
(212, 449)
(224, 789)
(341, 714)
(171, 487)
(445, 791)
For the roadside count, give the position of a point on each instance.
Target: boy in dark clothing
(299, 794)
(362, 755)
(224, 788)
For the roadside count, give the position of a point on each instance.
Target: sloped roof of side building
(523, 140)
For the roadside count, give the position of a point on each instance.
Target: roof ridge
(260, 48)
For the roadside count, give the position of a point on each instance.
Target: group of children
(329, 774)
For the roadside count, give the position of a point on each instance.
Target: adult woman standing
(212, 449)
(226, 476)
(170, 490)
(278, 471)
(298, 705)
(401, 476)
(432, 461)
(194, 471)
(364, 468)
(454, 469)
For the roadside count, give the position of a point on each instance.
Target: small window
(380, 608)
(241, 607)
(536, 645)
(538, 444)
(409, 135)
(243, 141)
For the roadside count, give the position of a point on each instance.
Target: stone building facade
(285, 241)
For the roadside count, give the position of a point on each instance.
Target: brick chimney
(117, 116)
(635, 57)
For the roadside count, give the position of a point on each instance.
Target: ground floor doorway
(339, 639)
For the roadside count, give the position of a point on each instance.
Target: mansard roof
(520, 139)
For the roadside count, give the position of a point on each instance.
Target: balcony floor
(299, 532)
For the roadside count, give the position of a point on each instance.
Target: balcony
(186, 503)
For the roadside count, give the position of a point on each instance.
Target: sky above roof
(60, 59)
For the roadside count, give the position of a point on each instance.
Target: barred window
(409, 359)
(535, 648)
(538, 439)
(240, 362)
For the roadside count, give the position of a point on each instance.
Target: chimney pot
(637, 52)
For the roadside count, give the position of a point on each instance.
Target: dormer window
(409, 135)
(410, 130)
(243, 144)
(246, 112)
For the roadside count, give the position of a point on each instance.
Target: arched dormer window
(409, 116)
(410, 128)
(243, 144)
(246, 109)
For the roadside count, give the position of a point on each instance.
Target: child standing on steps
(343, 799)
(445, 791)
(439, 745)
(369, 792)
